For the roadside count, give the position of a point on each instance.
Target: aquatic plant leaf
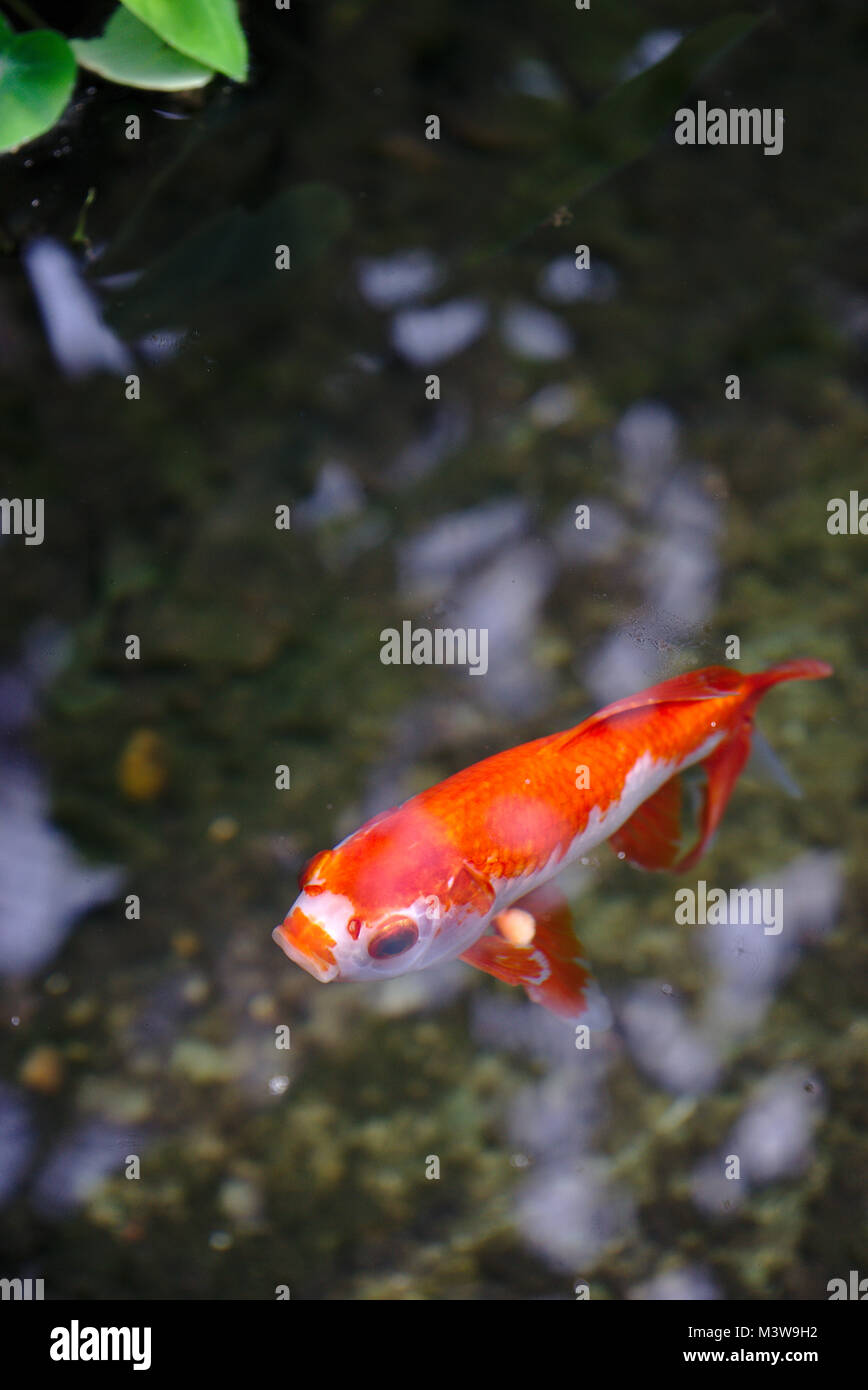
(629, 119)
(131, 53)
(232, 254)
(37, 75)
(207, 30)
(620, 129)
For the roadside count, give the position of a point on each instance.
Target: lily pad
(37, 75)
(131, 53)
(207, 30)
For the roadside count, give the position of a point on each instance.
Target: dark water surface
(260, 647)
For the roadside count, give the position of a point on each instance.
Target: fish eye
(394, 940)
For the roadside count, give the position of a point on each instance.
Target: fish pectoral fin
(655, 835)
(549, 965)
(471, 890)
(513, 965)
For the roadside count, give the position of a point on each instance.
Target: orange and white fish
(462, 869)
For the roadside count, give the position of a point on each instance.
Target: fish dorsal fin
(653, 837)
(711, 683)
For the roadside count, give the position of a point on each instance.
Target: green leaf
(207, 30)
(628, 122)
(37, 75)
(131, 53)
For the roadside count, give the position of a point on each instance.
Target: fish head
(374, 907)
(328, 938)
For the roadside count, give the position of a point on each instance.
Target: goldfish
(464, 868)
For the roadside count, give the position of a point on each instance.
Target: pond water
(252, 462)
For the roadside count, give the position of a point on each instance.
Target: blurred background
(259, 647)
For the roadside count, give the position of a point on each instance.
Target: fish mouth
(308, 944)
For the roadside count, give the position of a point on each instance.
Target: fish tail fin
(722, 770)
(764, 760)
(798, 670)
(654, 835)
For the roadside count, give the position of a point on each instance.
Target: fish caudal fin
(654, 836)
(797, 670)
(722, 771)
(534, 946)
